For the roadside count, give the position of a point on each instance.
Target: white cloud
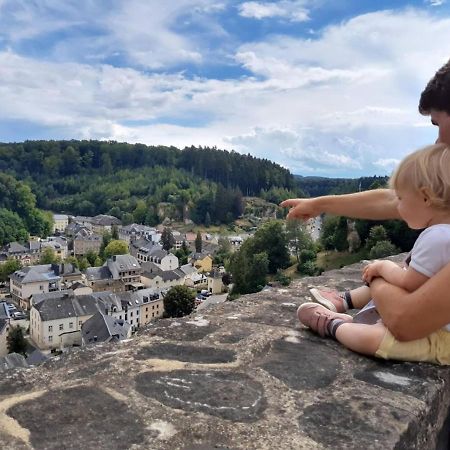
(435, 2)
(387, 163)
(291, 10)
(341, 102)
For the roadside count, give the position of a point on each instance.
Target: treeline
(318, 186)
(67, 158)
(139, 183)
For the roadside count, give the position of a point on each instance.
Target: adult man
(429, 306)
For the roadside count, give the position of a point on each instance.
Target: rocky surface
(242, 375)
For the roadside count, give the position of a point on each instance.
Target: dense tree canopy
(130, 181)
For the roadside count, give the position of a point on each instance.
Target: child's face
(414, 208)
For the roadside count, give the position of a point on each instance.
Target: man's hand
(301, 208)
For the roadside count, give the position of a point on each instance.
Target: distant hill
(317, 186)
(130, 181)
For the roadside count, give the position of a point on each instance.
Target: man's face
(441, 119)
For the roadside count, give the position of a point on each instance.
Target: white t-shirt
(431, 252)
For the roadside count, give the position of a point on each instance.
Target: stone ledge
(242, 375)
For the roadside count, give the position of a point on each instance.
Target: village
(59, 306)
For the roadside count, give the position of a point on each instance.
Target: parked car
(10, 306)
(18, 315)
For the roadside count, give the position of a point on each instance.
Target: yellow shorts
(434, 348)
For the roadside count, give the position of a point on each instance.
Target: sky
(322, 87)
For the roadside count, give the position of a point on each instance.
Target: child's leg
(361, 338)
(342, 301)
(360, 296)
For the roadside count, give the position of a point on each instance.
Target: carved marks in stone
(79, 415)
(187, 353)
(299, 367)
(229, 395)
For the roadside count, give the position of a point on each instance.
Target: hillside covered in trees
(140, 183)
(318, 186)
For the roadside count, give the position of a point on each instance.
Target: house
(27, 253)
(119, 273)
(158, 256)
(32, 280)
(202, 261)
(104, 328)
(60, 222)
(154, 277)
(135, 232)
(74, 228)
(80, 288)
(56, 318)
(86, 241)
(196, 281)
(58, 244)
(152, 306)
(104, 223)
(215, 284)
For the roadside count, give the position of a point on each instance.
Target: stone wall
(243, 375)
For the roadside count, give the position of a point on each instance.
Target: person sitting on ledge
(422, 185)
(427, 307)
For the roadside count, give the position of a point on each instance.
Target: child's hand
(372, 271)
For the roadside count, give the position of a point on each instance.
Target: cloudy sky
(322, 87)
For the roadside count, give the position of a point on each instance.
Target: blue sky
(325, 88)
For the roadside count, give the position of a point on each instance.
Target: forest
(144, 184)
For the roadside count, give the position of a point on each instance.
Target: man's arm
(414, 315)
(377, 204)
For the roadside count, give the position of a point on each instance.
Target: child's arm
(408, 279)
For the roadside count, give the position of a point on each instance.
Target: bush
(179, 301)
(382, 249)
(283, 279)
(308, 268)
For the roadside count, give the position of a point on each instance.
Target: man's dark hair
(437, 93)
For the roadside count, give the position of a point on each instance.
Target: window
(146, 316)
(70, 324)
(137, 312)
(50, 328)
(50, 339)
(153, 306)
(146, 309)
(131, 314)
(61, 326)
(80, 323)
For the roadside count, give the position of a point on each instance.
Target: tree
(106, 239)
(116, 247)
(12, 227)
(271, 239)
(207, 220)
(223, 252)
(376, 234)
(299, 238)
(15, 341)
(167, 239)
(382, 249)
(9, 267)
(334, 233)
(198, 242)
(115, 233)
(182, 254)
(91, 256)
(248, 269)
(179, 301)
(48, 256)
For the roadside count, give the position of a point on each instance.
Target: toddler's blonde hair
(426, 170)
